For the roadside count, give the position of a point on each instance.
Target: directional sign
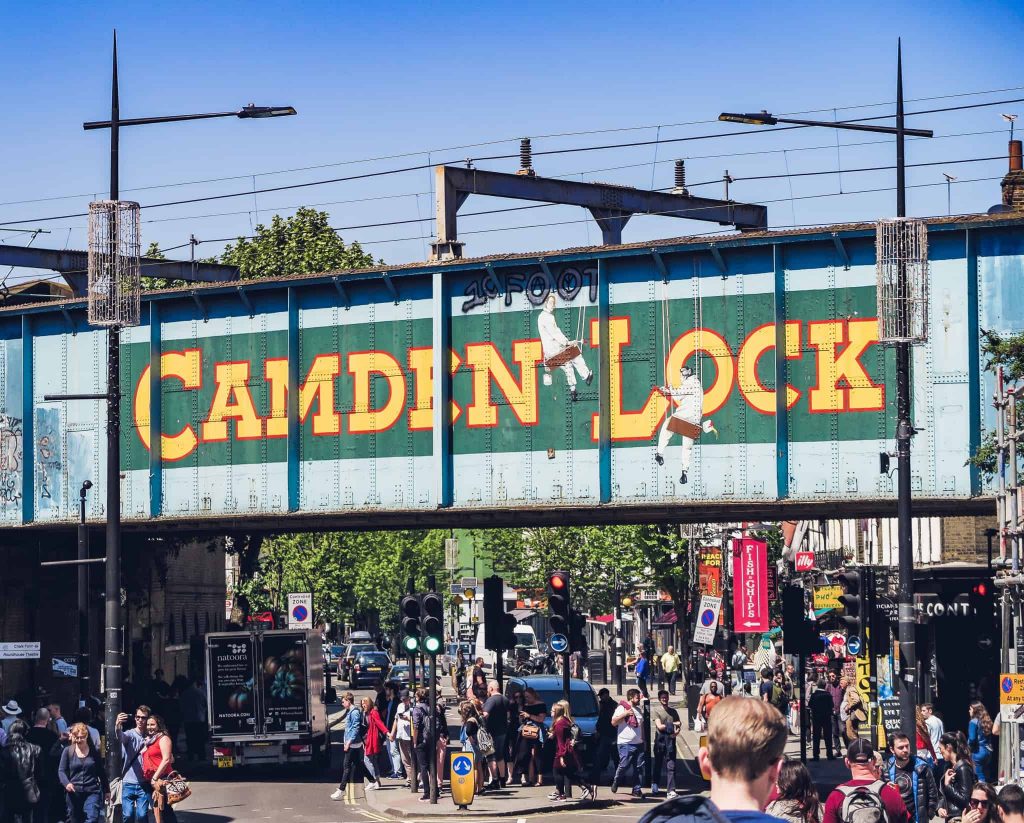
(707, 620)
(804, 561)
(19, 651)
(559, 643)
(300, 610)
(1011, 689)
(462, 780)
(462, 765)
(853, 645)
(750, 592)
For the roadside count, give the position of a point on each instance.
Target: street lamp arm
(249, 112)
(856, 127)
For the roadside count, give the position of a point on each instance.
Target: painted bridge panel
(753, 374)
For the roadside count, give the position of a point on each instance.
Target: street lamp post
(112, 662)
(904, 427)
(83, 598)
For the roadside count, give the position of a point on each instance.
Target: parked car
(368, 669)
(352, 650)
(582, 706)
(401, 674)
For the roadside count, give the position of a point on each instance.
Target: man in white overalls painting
(684, 419)
(558, 351)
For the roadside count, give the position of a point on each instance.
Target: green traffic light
(432, 645)
(411, 644)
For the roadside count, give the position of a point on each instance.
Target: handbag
(177, 788)
(528, 731)
(485, 741)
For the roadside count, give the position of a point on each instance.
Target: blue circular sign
(707, 617)
(1007, 684)
(300, 613)
(559, 642)
(462, 765)
(853, 644)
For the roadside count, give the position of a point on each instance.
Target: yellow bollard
(463, 779)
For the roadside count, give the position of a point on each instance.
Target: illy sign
(804, 561)
(750, 585)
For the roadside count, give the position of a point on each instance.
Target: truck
(265, 697)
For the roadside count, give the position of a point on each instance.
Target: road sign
(559, 643)
(804, 561)
(64, 665)
(707, 620)
(853, 645)
(827, 597)
(462, 779)
(750, 592)
(19, 651)
(1011, 689)
(300, 610)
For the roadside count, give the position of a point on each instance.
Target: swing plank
(683, 427)
(570, 352)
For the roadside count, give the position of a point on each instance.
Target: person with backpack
(865, 797)
(781, 693)
(628, 721)
(959, 778)
(355, 733)
(566, 764)
(422, 745)
(913, 777)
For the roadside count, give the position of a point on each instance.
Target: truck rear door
(232, 684)
(285, 689)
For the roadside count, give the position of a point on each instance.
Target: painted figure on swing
(559, 351)
(684, 419)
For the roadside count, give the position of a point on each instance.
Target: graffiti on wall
(11, 457)
(49, 466)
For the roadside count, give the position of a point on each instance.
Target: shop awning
(602, 618)
(666, 619)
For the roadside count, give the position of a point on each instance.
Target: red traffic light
(557, 580)
(980, 589)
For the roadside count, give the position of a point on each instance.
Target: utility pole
(83, 599)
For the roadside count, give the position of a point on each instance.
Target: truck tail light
(222, 751)
(357, 667)
(300, 749)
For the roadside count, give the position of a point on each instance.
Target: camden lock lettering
(354, 394)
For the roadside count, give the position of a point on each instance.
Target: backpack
(484, 741)
(574, 735)
(779, 699)
(863, 804)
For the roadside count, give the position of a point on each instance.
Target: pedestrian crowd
(54, 771)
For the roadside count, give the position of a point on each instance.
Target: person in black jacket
(820, 705)
(20, 775)
(958, 780)
(913, 777)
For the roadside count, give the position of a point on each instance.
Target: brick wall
(964, 540)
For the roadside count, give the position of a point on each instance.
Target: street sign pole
(432, 754)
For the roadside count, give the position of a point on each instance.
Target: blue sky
(371, 80)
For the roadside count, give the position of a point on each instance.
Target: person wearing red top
(373, 746)
(157, 760)
(864, 771)
(566, 765)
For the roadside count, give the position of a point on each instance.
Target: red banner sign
(750, 581)
(709, 571)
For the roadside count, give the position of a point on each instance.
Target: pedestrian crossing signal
(432, 622)
(411, 610)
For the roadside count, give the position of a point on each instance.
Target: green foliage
(986, 458)
(349, 574)
(1006, 351)
(301, 244)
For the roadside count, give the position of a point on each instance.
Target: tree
(301, 244)
(1004, 351)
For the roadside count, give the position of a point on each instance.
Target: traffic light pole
(566, 674)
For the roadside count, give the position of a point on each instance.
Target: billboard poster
(709, 571)
(750, 585)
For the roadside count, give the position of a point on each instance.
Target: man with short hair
(1010, 803)
(820, 704)
(496, 710)
(743, 757)
(134, 797)
(667, 725)
(865, 795)
(936, 728)
(836, 690)
(670, 665)
(914, 778)
(709, 700)
(629, 723)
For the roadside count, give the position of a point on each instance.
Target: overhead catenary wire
(536, 153)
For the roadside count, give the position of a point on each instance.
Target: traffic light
(432, 622)
(577, 638)
(559, 620)
(507, 632)
(853, 602)
(982, 602)
(799, 634)
(412, 610)
(494, 611)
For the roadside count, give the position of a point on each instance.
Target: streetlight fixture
(907, 325)
(111, 277)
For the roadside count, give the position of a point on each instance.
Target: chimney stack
(1013, 182)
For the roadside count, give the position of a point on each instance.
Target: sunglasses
(975, 802)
